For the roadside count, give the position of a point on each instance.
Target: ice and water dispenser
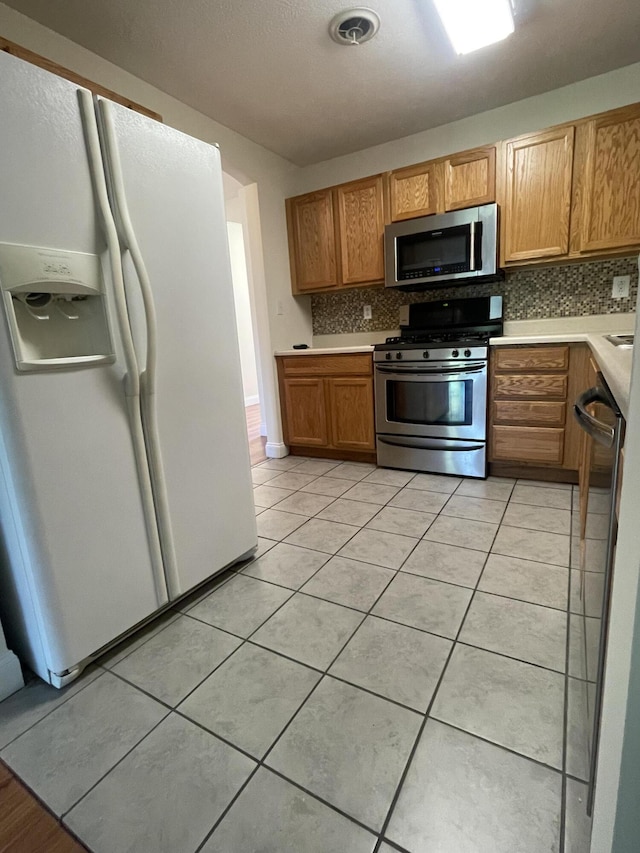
(56, 308)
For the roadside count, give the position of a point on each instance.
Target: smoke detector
(354, 26)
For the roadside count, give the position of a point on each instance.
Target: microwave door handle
(472, 247)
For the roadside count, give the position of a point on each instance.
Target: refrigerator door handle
(132, 378)
(148, 377)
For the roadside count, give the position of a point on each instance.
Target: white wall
(594, 95)
(10, 671)
(243, 313)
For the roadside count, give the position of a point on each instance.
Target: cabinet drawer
(532, 412)
(337, 365)
(527, 444)
(529, 385)
(521, 358)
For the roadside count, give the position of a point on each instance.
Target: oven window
(430, 403)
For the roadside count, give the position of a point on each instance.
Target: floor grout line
(48, 713)
(120, 760)
(412, 752)
(324, 674)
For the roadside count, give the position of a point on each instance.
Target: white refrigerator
(124, 464)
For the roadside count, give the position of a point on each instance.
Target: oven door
(438, 400)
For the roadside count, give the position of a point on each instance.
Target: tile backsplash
(564, 291)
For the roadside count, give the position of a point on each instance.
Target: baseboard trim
(276, 450)
(10, 674)
(253, 400)
(326, 453)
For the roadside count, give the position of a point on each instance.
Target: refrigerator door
(171, 210)
(77, 568)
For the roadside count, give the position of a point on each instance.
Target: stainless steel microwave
(459, 247)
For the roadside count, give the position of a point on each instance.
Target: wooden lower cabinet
(351, 411)
(327, 404)
(306, 408)
(532, 430)
(528, 444)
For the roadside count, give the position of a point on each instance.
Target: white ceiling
(268, 69)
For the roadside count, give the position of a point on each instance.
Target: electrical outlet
(620, 289)
(279, 307)
(366, 312)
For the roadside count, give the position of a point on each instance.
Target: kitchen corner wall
(571, 290)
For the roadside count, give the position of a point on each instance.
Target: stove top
(437, 337)
(450, 323)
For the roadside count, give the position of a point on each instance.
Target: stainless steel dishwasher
(600, 417)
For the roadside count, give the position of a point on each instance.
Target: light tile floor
(390, 673)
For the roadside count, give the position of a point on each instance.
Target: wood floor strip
(257, 442)
(25, 825)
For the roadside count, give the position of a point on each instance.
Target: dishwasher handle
(602, 433)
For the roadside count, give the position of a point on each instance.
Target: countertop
(615, 362)
(325, 350)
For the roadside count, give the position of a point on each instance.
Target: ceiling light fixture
(472, 24)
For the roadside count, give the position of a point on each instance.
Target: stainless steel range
(431, 387)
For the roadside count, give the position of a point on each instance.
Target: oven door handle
(426, 444)
(414, 371)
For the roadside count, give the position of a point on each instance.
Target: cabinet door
(538, 195)
(361, 225)
(610, 211)
(306, 412)
(351, 408)
(312, 241)
(470, 178)
(413, 191)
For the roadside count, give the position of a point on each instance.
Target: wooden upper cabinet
(537, 203)
(413, 191)
(312, 241)
(608, 180)
(360, 208)
(566, 193)
(470, 178)
(450, 183)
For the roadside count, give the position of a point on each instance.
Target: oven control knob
(467, 353)
(454, 353)
(398, 355)
(388, 356)
(425, 354)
